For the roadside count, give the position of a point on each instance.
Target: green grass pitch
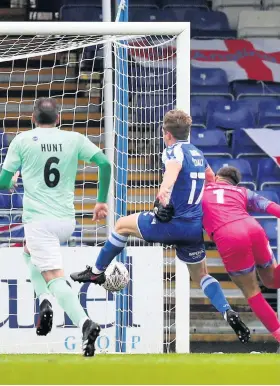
(141, 369)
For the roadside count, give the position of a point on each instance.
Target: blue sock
(113, 246)
(212, 289)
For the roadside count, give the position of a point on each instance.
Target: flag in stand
(256, 59)
(268, 140)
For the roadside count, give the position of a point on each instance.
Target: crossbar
(90, 28)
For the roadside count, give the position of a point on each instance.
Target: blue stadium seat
(2, 202)
(253, 101)
(270, 228)
(207, 98)
(215, 34)
(210, 21)
(249, 88)
(16, 202)
(197, 113)
(268, 174)
(242, 165)
(229, 115)
(80, 12)
(211, 143)
(203, 80)
(6, 199)
(208, 77)
(144, 3)
(243, 145)
(269, 113)
(152, 107)
(184, 3)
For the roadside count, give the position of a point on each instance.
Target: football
(117, 277)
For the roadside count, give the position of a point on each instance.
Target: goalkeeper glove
(163, 213)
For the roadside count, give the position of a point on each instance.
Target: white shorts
(43, 239)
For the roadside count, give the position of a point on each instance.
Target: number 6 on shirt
(220, 195)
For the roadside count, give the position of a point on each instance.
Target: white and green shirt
(48, 158)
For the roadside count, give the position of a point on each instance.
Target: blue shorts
(185, 234)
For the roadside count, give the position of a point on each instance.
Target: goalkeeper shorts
(43, 239)
(243, 245)
(185, 234)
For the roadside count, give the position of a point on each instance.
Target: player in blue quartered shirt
(185, 170)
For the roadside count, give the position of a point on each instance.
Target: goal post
(149, 74)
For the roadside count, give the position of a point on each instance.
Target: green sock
(68, 300)
(39, 284)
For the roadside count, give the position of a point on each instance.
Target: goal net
(113, 88)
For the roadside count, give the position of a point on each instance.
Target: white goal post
(130, 141)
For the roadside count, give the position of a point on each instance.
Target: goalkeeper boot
(87, 276)
(240, 328)
(91, 332)
(45, 321)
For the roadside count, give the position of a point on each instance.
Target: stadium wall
(19, 308)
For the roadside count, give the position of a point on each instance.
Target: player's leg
(235, 245)
(268, 269)
(125, 227)
(248, 284)
(43, 241)
(194, 256)
(45, 320)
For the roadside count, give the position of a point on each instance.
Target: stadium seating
(258, 24)
(243, 145)
(209, 21)
(242, 89)
(149, 107)
(212, 143)
(197, 113)
(242, 165)
(184, 3)
(268, 175)
(271, 4)
(229, 115)
(80, 13)
(205, 99)
(270, 228)
(203, 80)
(150, 14)
(144, 3)
(232, 8)
(269, 113)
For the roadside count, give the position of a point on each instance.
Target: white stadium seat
(232, 8)
(271, 4)
(264, 24)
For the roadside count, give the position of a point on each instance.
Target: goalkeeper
(176, 219)
(48, 158)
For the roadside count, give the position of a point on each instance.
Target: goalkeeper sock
(39, 284)
(68, 300)
(265, 314)
(113, 246)
(212, 289)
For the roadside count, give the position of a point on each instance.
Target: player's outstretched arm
(258, 203)
(101, 208)
(209, 175)
(172, 170)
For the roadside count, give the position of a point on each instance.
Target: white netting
(71, 69)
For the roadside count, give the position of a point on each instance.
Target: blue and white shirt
(188, 189)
